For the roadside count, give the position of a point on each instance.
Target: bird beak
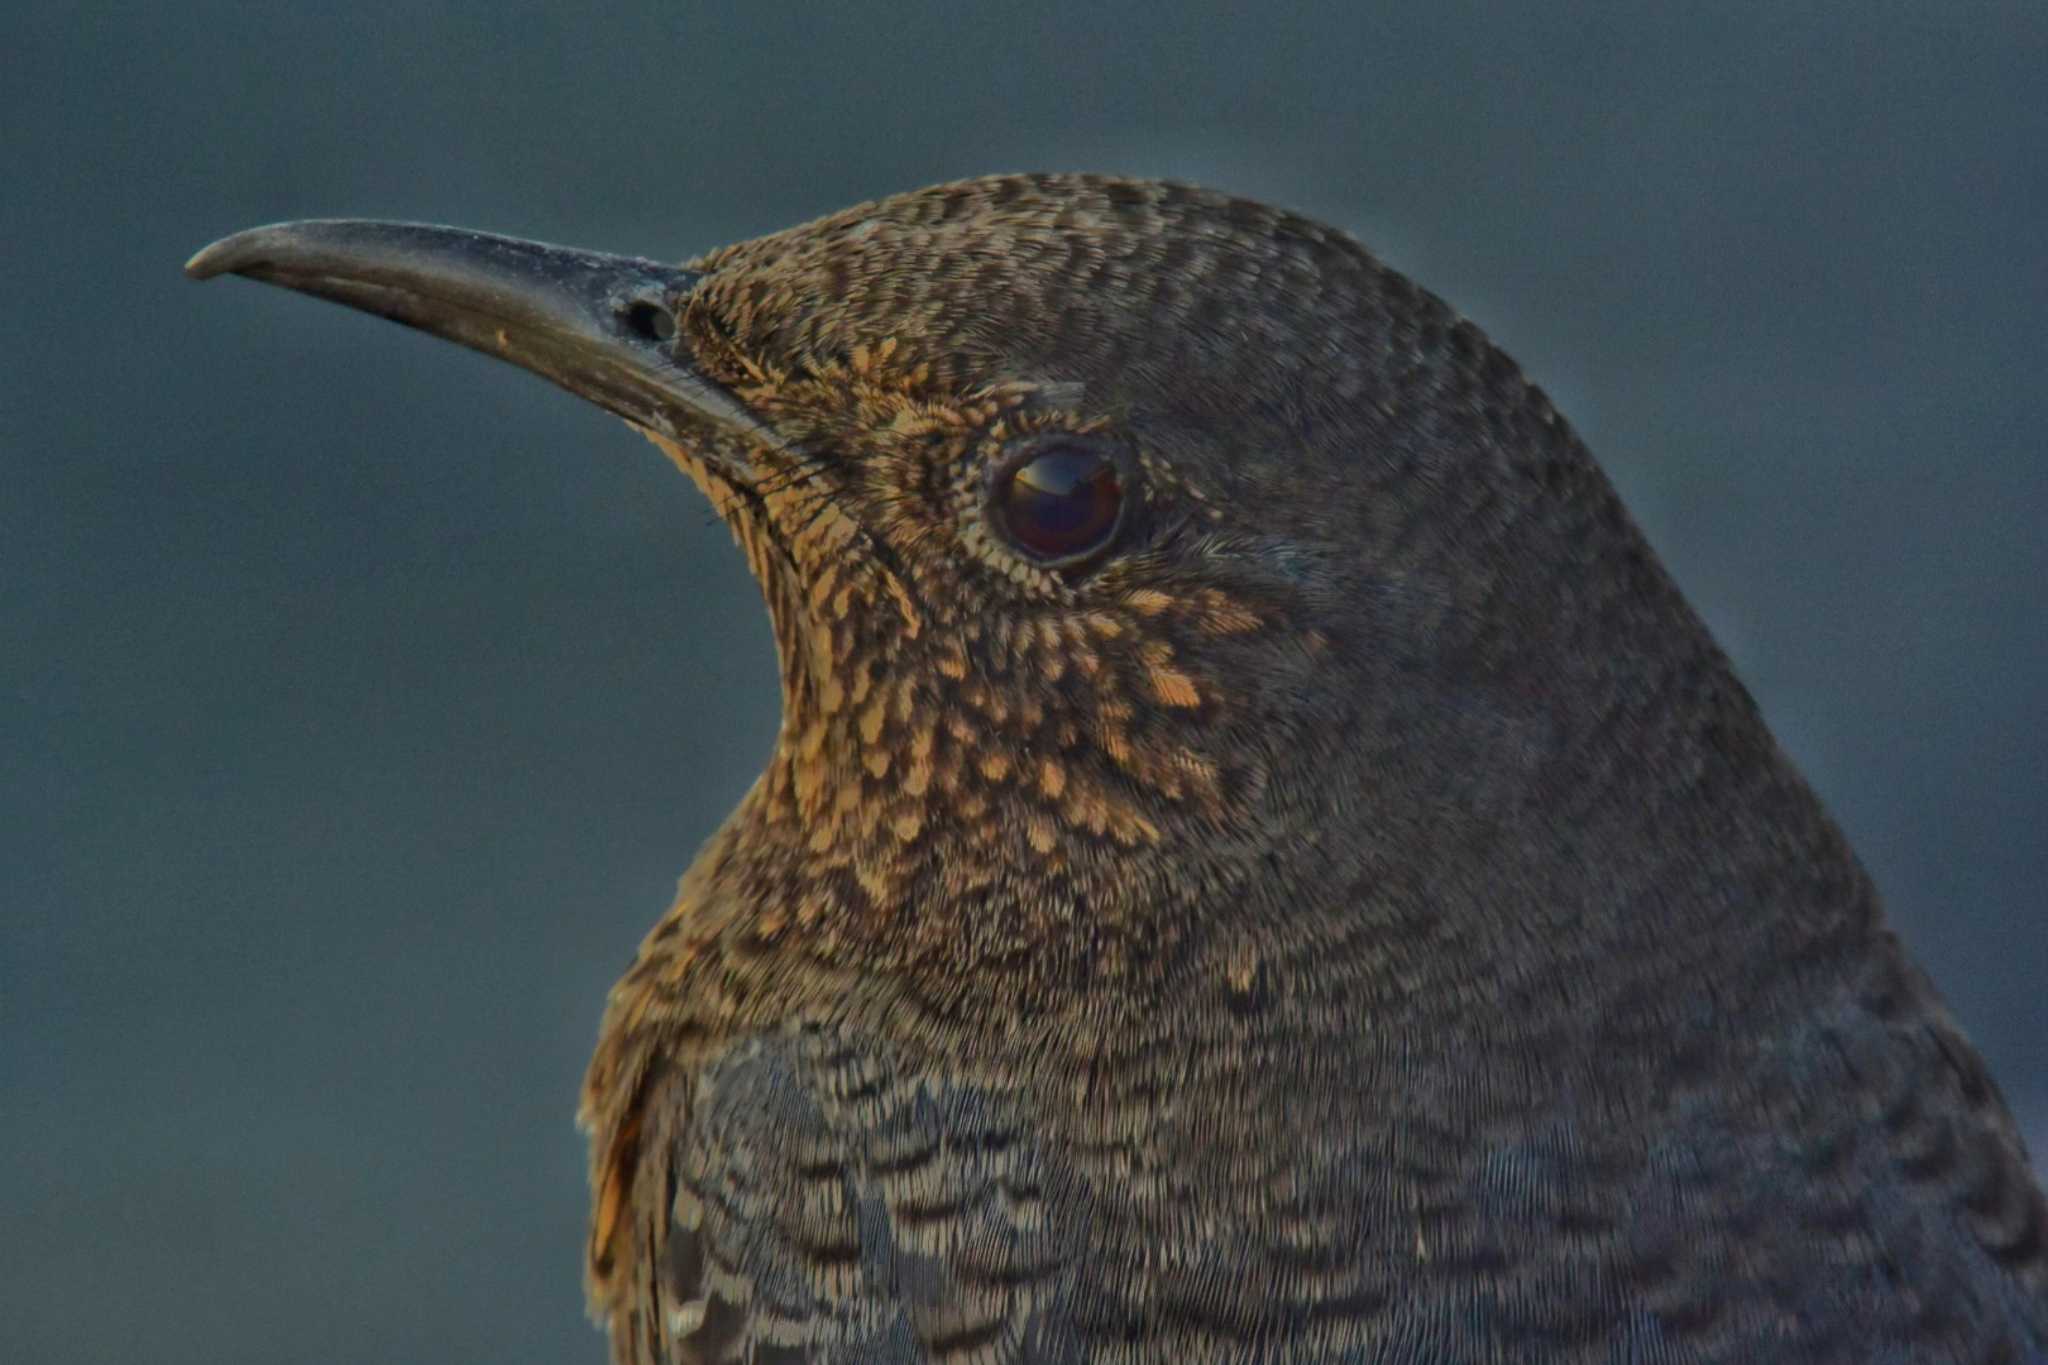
(603, 327)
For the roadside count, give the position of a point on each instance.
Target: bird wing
(822, 1203)
(808, 1198)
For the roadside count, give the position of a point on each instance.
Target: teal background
(363, 699)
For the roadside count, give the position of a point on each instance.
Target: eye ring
(1060, 498)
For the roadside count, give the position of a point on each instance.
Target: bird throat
(938, 779)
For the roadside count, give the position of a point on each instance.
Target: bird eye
(1060, 499)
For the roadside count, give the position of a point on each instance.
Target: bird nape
(1259, 862)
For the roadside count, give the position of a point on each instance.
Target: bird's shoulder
(800, 1195)
(801, 1191)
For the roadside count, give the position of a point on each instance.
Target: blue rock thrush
(1259, 862)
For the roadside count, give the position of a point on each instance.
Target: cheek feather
(956, 715)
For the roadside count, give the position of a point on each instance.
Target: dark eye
(1059, 500)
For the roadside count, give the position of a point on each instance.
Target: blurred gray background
(364, 698)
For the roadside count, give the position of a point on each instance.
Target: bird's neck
(1447, 818)
(1574, 830)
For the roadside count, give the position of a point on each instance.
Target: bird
(1259, 861)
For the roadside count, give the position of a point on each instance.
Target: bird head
(1140, 559)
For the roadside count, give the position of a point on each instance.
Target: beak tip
(205, 263)
(223, 257)
(240, 252)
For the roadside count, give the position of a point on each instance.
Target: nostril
(651, 321)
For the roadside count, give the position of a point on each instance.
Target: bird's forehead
(1017, 272)
(1263, 358)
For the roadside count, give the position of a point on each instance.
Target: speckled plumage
(1360, 919)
